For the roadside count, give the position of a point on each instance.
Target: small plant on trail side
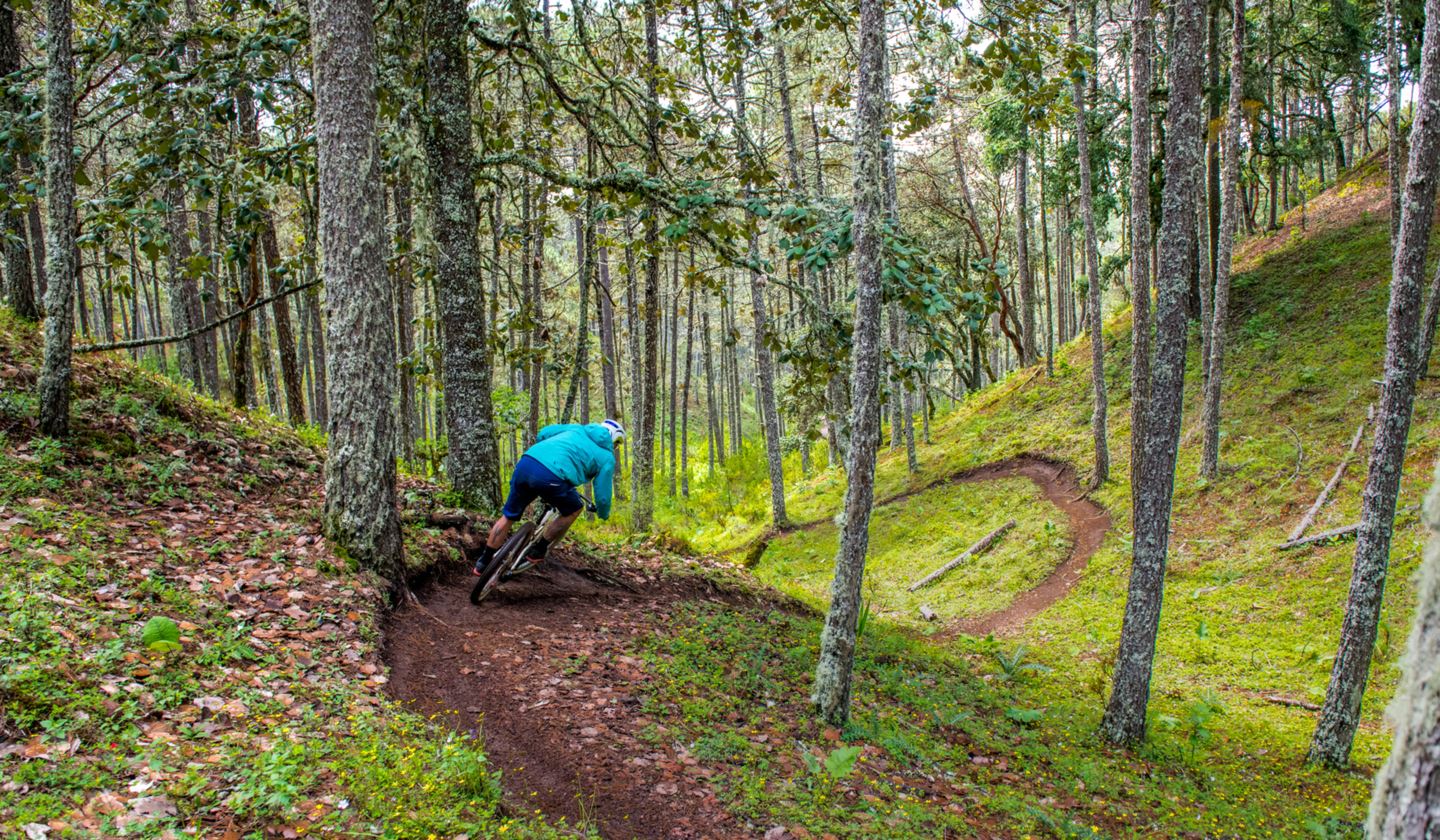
(835, 766)
(1013, 665)
(1024, 717)
(864, 620)
(160, 635)
(1197, 722)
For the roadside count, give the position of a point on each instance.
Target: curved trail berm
(544, 667)
(1089, 522)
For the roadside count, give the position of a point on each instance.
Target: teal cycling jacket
(579, 454)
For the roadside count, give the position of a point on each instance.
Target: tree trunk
(606, 309)
(712, 416)
(644, 465)
(1098, 420)
(39, 257)
(360, 512)
(19, 284)
(674, 367)
(834, 671)
(585, 256)
(1124, 720)
(1140, 235)
(1395, 151)
(1341, 713)
(267, 362)
(764, 363)
(185, 312)
(407, 421)
(1229, 207)
(1406, 802)
(55, 373)
(284, 330)
(1022, 254)
(473, 460)
(1427, 327)
(685, 398)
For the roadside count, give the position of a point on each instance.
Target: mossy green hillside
(919, 534)
(969, 739)
(1243, 622)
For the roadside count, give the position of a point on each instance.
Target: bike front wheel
(504, 557)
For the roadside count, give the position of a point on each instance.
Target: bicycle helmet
(617, 431)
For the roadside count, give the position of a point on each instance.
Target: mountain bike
(510, 558)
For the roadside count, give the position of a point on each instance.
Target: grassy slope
(271, 716)
(1242, 621)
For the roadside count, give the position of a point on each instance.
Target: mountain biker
(565, 456)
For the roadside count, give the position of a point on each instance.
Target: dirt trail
(1089, 522)
(543, 667)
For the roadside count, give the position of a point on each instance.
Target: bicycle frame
(522, 563)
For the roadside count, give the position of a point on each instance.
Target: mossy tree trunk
(1406, 799)
(1022, 251)
(472, 459)
(19, 280)
(1141, 46)
(1340, 715)
(1099, 423)
(1124, 720)
(360, 514)
(644, 464)
(834, 671)
(1229, 217)
(55, 372)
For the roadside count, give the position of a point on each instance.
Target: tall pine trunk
(55, 373)
(1340, 715)
(360, 512)
(1395, 154)
(19, 282)
(1124, 720)
(1022, 252)
(644, 463)
(473, 459)
(1229, 209)
(408, 420)
(1098, 420)
(764, 362)
(1141, 42)
(833, 673)
(1406, 803)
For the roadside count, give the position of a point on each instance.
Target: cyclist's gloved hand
(590, 507)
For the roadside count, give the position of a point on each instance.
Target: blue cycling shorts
(531, 480)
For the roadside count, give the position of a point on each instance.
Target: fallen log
(1347, 531)
(1287, 701)
(973, 550)
(447, 519)
(1324, 496)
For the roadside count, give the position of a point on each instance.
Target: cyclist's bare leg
(498, 532)
(553, 532)
(556, 529)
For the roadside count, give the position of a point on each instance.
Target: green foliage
(1013, 665)
(161, 635)
(837, 764)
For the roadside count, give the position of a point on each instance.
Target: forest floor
(296, 704)
(547, 668)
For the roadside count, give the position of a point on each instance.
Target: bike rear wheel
(504, 557)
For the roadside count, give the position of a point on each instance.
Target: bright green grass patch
(965, 740)
(917, 535)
